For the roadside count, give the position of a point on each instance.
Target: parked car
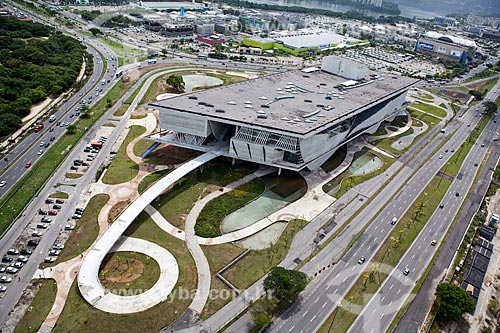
(22, 259)
(32, 242)
(6, 258)
(59, 201)
(49, 201)
(5, 279)
(69, 227)
(13, 251)
(39, 226)
(58, 246)
(76, 216)
(54, 253)
(42, 212)
(17, 265)
(56, 206)
(49, 259)
(11, 270)
(52, 212)
(26, 251)
(2, 269)
(75, 168)
(46, 219)
(3, 289)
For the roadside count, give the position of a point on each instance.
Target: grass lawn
(219, 256)
(39, 308)
(121, 110)
(59, 195)
(257, 263)
(140, 116)
(454, 164)
(386, 143)
(228, 79)
(109, 125)
(208, 222)
(430, 120)
(175, 204)
(85, 232)
(141, 146)
(390, 253)
(336, 159)
(150, 179)
(126, 54)
(455, 107)
(122, 271)
(123, 169)
(80, 316)
(72, 175)
(429, 108)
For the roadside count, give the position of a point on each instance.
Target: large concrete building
(446, 47)
(291, 120)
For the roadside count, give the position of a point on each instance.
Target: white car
(3, 288)
(54, 253)
(2, 183)
(49, 259)
(40, 152)
(11, 270)
(58, 246)
(22, 259)
(5, 279)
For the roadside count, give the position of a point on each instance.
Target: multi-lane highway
(389, 299)
(321, 297)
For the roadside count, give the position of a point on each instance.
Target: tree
(71, 129)
(285, 284)
(84, 111)
(95, 31)
(176, 82)
(490, 107)
(453, 301)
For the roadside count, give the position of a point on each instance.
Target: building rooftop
(314, 40)
(293, 102)
(450, 39)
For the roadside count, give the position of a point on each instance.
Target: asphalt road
(390, 297)
(322, 297)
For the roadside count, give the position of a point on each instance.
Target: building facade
(293, 120)
(446, 47)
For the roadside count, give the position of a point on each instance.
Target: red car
(52, 212)
(28, 164)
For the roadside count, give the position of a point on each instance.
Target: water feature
(264, 238)
(364, 164)
(280, 191)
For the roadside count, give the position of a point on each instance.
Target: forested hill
(35, 62)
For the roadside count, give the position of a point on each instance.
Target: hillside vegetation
(36, 62)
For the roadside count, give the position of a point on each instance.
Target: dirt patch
(455, 94)
(124, 271)
(116, 210)
(171, 155)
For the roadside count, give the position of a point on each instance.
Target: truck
(494, 220)
(96, 145)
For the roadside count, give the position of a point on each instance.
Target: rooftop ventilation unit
(219, 111)
(320, 106)
(209, 105)
(285, 118)
(308, 101)
(261, 112)
(248, 106)
(265, 106)
(193, 97)
(202, 103)
(231, 103)
(263, 98)
(261, 116)
(279, 98)
(248, 102)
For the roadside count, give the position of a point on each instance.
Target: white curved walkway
(169, 273)
(88, 279)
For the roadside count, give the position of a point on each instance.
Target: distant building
(446, 21)
(205, 30)
(177, 30)
(292, 120)
(446, 47)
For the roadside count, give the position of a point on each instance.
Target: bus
(119, 74)
(152, 61)
(204, 57)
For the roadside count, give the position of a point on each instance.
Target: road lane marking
(305, 313)
(390, 288)
(291, 328)
(313, 318)
(324, 304)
